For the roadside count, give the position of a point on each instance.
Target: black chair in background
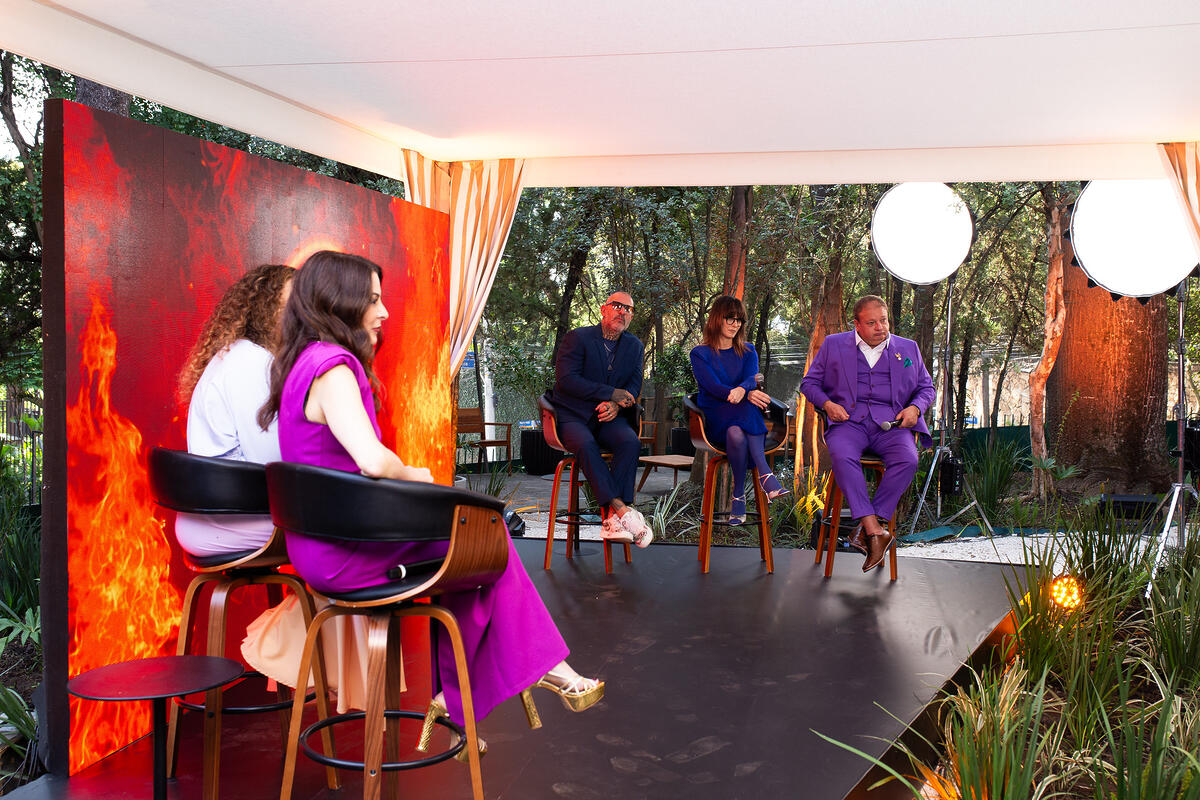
(776, 418)
(333, 504)
(201, 485)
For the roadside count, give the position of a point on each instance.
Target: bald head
(616, 314)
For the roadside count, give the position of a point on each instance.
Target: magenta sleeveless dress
(510, 639)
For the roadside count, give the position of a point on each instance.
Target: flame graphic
(122, 605)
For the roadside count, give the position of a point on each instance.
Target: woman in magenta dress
(726, 370)
(321, 392)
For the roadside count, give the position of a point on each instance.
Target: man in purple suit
(873, 387)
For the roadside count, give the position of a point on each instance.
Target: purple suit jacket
(833, 375)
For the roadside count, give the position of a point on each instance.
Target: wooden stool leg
(628, 554)
(464, 687)
(393, 699)
(308, 610)
(293, 745)
(764, 523)
(573, 511)
(835, 523)
(213, 699)
(706, 523)
(190, 600)
(604, 513)
(823, 528)
(373, 722)
(892, 554)
(553, 512)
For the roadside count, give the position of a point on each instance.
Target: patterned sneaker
(638, 528)
(614, 531)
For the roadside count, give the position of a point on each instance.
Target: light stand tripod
(1179, 490)
(943, 449)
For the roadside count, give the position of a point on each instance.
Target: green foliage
(520, 367)
(23, 630)
(20, 548)
(494, 482)
(990, 469)
(17, 715)
(1145, 764)
(669, 510)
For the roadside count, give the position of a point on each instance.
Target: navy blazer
(582, 377)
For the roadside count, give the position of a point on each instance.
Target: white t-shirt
(222, 423)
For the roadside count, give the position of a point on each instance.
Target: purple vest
(873, 397)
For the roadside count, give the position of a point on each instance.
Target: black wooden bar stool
(776, 418)
(200, 485)
(333, 504)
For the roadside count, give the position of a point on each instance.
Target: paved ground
(531, 498)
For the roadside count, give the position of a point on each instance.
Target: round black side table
(156, 680)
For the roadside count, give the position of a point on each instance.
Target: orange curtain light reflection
(121, 603)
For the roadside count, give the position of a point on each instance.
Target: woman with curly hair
(224, 383)
(726, 370)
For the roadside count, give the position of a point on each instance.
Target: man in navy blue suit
(598, 378)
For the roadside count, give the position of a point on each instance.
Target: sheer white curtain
(481, 197)
(1182, 160)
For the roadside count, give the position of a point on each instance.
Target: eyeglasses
(738, 320)
(620, 306)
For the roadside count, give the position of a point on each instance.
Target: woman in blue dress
(726, 370)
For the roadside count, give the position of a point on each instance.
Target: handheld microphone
(887, 426)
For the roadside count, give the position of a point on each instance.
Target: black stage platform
(714, 682)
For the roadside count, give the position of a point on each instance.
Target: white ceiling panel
(701, 91)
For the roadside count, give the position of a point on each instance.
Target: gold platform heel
(574, 696)
(437, 710)
(531, 712)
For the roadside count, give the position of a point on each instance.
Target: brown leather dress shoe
(878, 547)
(858, 539)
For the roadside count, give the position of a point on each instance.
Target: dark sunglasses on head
(620, 306)
(737, 319)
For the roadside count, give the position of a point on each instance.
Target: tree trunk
(1106, 400)
(761, 344)
(826, 319)
(964, 373)
(1052, 335)
(741, 208)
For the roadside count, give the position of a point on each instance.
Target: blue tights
(740, 448)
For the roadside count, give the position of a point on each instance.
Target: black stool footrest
(279, 705)
(577, 517)
(387, 766)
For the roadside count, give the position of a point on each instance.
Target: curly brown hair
(249, 309)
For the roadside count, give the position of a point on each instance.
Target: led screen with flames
(144, 229)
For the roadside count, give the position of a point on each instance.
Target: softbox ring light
(921, 232)
(1130, 237)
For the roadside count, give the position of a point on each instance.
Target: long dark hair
(330, 295)
(249, 309)
(725, 306)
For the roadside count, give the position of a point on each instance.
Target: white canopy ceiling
(658, 92)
